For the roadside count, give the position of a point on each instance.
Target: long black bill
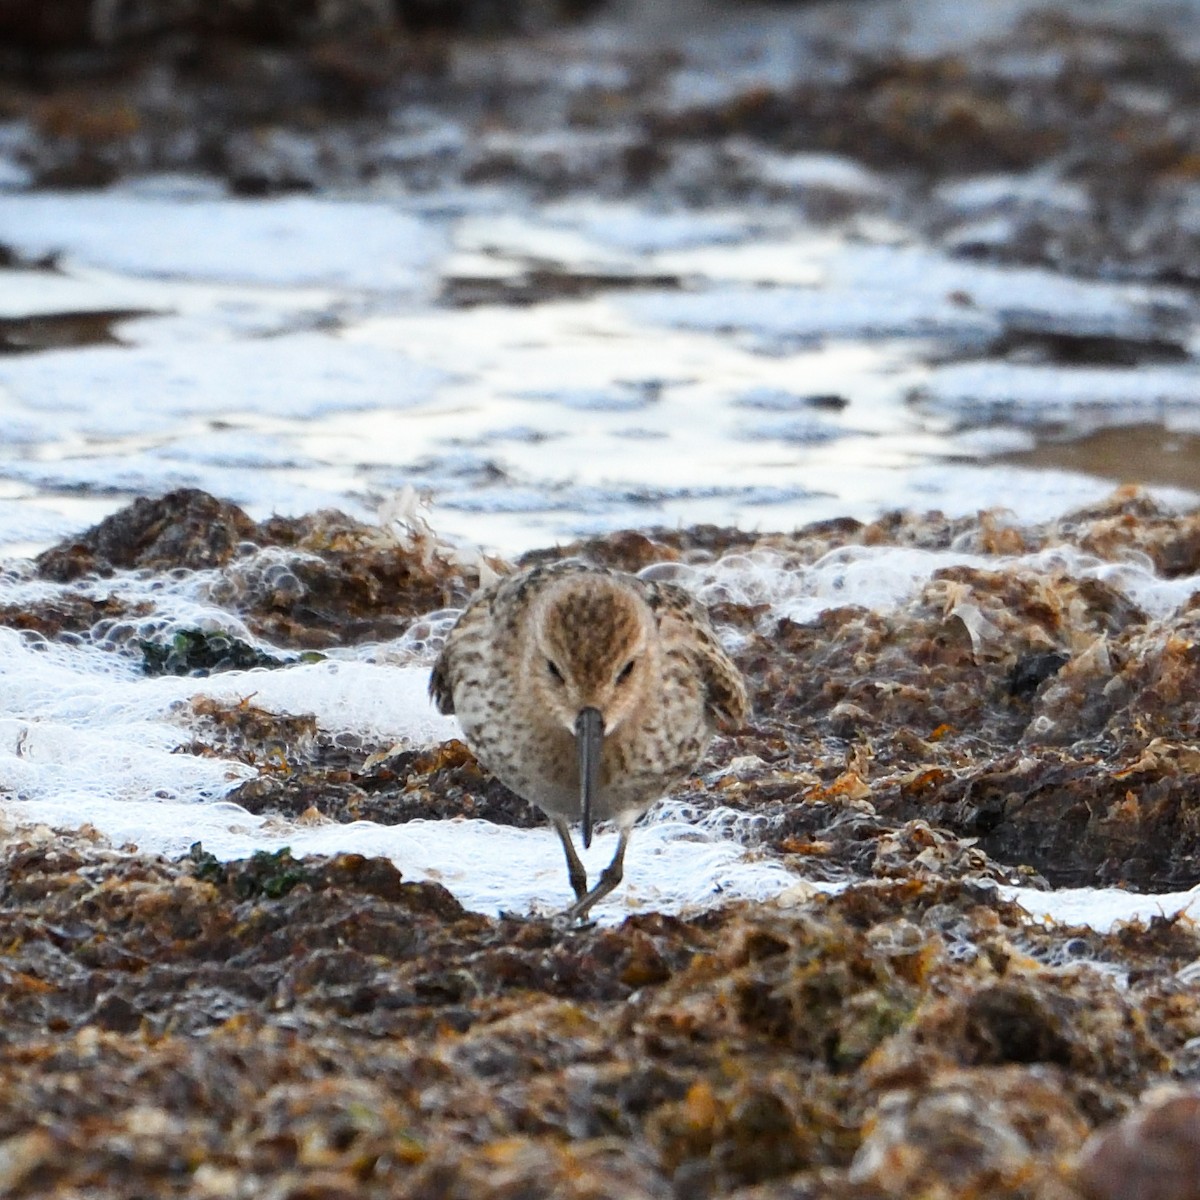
(589, 738)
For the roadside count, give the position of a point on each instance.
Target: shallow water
(791, 374)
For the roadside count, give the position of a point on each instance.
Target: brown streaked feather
(442, 675)
(725, 693)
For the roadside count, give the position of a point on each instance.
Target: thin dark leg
(576, 871)
(609, 878)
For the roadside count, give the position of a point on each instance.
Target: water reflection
(609, 366)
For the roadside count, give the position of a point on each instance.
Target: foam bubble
(882, 578)
(673, 865)
(87, 738)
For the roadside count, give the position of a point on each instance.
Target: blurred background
(570, 267)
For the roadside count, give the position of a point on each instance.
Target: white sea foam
(30, 293)
(87, 738)
(811, 313)
(905, 291)
(882, 578)
(813, 172)
(985, 392)
(1103, 908)
(635, 231)
(293, 240)
(300, 376)
(22, 520)
(672, 865)
(982, 193)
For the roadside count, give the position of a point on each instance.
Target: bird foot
(562, 922)
(569, 922)
(507, 914)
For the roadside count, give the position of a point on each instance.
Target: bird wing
(462, 642)
(724, 692)
(445, 669)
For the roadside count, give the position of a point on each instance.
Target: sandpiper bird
(589, 692)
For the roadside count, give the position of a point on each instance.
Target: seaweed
(330, 1028)
(198, 652)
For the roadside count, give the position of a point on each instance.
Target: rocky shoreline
(319, 1028)
(322, 1027)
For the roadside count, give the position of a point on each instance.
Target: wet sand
(1140, 453)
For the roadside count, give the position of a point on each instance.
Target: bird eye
(626, 671)
(555, 673)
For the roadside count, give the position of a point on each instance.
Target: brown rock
(185, 528)
(1153, 1154)
(967, 1134)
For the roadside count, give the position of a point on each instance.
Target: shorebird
(589, 692)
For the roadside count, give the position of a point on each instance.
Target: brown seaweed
(324, 1027)
(327, 1028)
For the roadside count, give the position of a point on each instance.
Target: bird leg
(576, 871)
(609, 878)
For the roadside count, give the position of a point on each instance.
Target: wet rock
(90, 22)
(187, 528)
(540, 286)
(195, 652)
(23, 335)
(304, 582)
(70, 613)
(346, 581)
(1032, 670)
(114, 1012)
(270, 163)
(974, 1128)
(390, 788)
(624, 551)
(249, 733)
(263, 874)
(447, 781)
(1081, 820)
(1132, 520)
(1152, 1154)
(36, 25)
(1083, 349)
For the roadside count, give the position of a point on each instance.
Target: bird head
(592, 638)
(592, 649)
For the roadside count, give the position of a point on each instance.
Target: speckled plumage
(532, 650)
